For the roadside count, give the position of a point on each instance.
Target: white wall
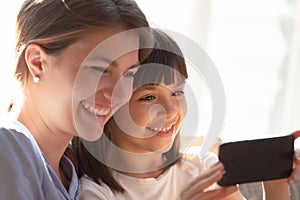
(7, 58)
(244, 40)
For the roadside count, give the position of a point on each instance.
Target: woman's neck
(52, 145)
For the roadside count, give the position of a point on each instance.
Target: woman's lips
(100, 112)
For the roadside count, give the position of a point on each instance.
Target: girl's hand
(296, 169)
(196, 189)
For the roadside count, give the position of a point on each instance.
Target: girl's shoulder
(194, 161)
(92, 190)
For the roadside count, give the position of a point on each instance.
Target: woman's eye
(98, 69)
(147, 98)
(129, 74)
(178, 93)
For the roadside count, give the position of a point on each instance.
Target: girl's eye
(178, 93)
(147, 98)
(98, 69)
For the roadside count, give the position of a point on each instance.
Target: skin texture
(156, 112)
(139, 137)
(53, 110)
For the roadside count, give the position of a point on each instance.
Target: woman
(71, 86)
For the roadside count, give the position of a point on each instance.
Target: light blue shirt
(25, 174)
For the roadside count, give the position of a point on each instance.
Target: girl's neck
(153, 174)
(140, 165)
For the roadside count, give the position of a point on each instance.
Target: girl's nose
(168, 110)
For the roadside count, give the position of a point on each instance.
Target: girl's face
(154, 118)
(89, 82)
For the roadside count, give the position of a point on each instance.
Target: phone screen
(256, 160)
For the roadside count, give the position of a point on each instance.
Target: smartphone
(256, 160)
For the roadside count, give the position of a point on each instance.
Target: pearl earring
(36, 79)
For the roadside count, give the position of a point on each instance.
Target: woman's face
(156, 113)
(87, 82)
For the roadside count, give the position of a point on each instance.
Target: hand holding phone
(257, 160)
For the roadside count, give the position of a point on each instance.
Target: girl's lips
(167, 126)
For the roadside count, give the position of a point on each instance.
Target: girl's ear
(34, 56)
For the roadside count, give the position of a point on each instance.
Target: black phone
(256, 160)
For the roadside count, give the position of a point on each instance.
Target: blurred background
(255, 46)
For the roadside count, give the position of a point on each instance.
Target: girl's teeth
(162, 129)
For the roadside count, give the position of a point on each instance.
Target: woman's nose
(117, 89)
(107, 93)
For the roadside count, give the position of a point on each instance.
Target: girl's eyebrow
(151, 86)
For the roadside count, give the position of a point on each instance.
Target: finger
(207, 173)
(296, 169)
(292, 178)
(215, 194)
(203, 183)
(296, 157)
(296, 134)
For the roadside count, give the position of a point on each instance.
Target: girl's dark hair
(165, 52)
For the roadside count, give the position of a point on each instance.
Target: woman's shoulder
(11, 139)
(18, 150)
(21, 165)
(14, 140)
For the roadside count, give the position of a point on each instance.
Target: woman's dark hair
(56, 24)
(166, 52)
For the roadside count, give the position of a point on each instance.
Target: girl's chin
(91, 135)
(89, 127)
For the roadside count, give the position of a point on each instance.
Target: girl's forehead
(152, 86)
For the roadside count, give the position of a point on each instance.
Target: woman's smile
(101, 112)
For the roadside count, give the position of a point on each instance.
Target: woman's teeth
(96, 111)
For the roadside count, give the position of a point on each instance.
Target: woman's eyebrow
(109, 61)
(135, 65)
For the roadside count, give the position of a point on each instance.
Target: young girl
(67, 81)
(138, 157)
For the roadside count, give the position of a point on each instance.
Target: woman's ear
(34, 56)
